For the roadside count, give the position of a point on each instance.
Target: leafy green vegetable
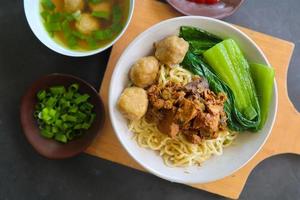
(199, 40)
(199, 47)
(63, 114)
(190, 33)
(195, 63)
(263, 77)
(228, 62)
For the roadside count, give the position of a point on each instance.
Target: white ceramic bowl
(235, 156)
(32, 12)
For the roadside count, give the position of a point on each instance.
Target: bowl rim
(23, 116)
(219, 16)
(113, 120)
(66, 51)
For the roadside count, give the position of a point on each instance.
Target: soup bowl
(235, 156)
(34, 19)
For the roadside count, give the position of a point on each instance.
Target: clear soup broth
(84, 25)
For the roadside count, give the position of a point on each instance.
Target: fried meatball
(73, 5)
(133, 103)
(144, 72)
(103, 6)
(171, 50)
(86, 24)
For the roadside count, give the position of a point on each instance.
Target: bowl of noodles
(192, 99)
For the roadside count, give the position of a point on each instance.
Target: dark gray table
(26, 175)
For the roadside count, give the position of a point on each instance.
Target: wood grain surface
(285, 134)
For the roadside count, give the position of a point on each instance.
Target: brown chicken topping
(192, 108)
(166, 97)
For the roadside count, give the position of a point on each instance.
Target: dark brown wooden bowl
(219, 10)
(49, 147)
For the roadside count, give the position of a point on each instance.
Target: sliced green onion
(63, 114)
(103, 34)
(47, 133)
(72, 41)
(57, 90)
(95, 1)
(51, 102)
(53, 26)
(48, 4)
(55, 17)
(92, 42)
(45, 15)
(41, 95)
(73, 87)
(117, 14)
(101, 14)
(61, 138)
(68, 95)
(81, 98)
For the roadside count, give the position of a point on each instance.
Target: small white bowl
(234, 157)
(32, 12)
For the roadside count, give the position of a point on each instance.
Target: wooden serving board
(285, 134)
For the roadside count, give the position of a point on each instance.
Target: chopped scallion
(63, 114)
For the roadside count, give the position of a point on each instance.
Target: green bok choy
(263, 77)
(226, 69)
(228, 62)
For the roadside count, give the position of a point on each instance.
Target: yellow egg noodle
(178, 152)
(175, 74)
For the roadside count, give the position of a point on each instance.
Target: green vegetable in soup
(101, 14)
(95, 1)
(63, 113)
(263, 77)
(48, 4)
